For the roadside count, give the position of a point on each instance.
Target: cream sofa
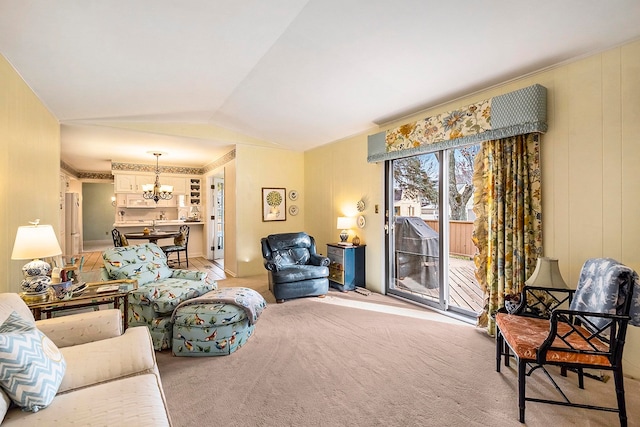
(111, 378)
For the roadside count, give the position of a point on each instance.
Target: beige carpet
(326, 362)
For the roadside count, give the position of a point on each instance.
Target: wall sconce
(344, 224)
(113, 201)
(547, 274)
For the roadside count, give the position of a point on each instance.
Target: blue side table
(346, 267)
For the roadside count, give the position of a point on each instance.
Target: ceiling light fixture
(156, 191)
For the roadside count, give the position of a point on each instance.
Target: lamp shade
(344, 223)
(547, 274)
(35, 241)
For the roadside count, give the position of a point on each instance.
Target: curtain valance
(515, 113)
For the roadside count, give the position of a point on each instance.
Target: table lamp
(195, 213)
(547, 274)
(344, 224)
(33, 242)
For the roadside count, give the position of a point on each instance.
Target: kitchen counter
(159, 223)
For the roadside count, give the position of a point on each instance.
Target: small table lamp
(34, 242)
(344, 224)
(195, 213)
(547, 274)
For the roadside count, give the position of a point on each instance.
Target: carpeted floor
(352, 360)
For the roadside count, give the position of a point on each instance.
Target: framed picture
(274, 204)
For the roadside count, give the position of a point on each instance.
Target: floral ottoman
(216, 323)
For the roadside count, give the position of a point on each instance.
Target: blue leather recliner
(295, 269)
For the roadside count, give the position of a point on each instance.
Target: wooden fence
(460, 232)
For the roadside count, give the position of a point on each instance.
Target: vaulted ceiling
(194, 78)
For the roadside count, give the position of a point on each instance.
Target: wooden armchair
(574, 330)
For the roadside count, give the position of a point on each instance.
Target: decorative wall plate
(293, 195)
(360, 205)
(361, 221)
(293, 210)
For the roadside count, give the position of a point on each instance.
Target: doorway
(216, 235)
(429, 229)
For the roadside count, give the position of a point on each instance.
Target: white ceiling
(294, 73)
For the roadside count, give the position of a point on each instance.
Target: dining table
(153, 236)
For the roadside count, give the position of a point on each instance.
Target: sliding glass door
(429, 229)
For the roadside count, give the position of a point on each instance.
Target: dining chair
(118, 238)
(180, 244)
(581, 329)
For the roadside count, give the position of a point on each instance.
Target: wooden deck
(464, 290)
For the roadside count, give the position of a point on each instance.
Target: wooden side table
(90, 297)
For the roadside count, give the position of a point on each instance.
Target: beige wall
(29, 168)
(590, 180)
(256, 168)
(337, 176)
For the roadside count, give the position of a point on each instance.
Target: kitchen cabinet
(171, 203)
(121, 200)
(132, 183)
(137, 201)
(179, 184)
(144, 180)
(125, 183)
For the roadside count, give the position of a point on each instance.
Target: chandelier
(156, 191)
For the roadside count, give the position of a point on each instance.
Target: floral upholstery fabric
(604, 287)
(160, 288)
(246, 299)
(526, 334)
(145, 263)
(217, 323)
(164, 296)
(210, 330)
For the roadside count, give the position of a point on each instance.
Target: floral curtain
(508, 227)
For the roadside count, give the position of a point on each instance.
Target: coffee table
(92, 296)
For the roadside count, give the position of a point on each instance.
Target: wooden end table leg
(126, 313)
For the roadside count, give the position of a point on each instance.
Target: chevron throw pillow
(31, 366)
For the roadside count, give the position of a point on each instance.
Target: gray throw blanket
(604, 286)
(249, 300)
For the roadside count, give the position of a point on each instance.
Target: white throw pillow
(31, 366)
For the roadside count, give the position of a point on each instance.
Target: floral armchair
(160, 288)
